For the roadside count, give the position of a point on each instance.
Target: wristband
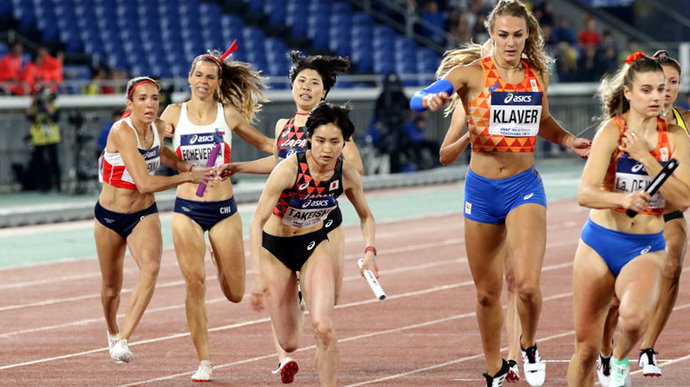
(370, 248)
(435, 88)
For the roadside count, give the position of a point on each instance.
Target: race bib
(196, 148)
(632, 176)
(515, 114)
(309, 211)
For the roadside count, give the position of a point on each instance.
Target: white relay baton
(374, 283)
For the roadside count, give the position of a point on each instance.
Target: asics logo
(517, 98)
(197, 138)
(315, 203)
(311, 245)
(185, 209)
(329, 223)
(645, 250)
(109, 220)
(304, 185)
(285, 133)
(529, 195)
(637, 167)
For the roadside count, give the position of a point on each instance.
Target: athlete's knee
(324, 332)
(631, 321)
(289, 344)
(511, 284)
(672, 268)
(488, 297)
(586, 351)
(110, 291)
(528, 292)
(196, 286)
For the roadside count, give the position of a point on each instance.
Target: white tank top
(113, 170)
(193, 143)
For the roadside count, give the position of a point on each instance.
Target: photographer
(45, 137)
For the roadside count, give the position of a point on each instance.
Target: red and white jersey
(193, 143)
(114, 171)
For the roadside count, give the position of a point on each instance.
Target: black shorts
(677, 214)
(294, 251)
(334, 219)
(123, 224)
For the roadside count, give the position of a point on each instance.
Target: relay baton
(654, 186)
(374, 283)
(211, 162)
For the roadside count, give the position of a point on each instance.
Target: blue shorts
(618, 248)
(122, 224)
(206, 214)
(490, 200)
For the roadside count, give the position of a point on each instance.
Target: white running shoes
(535, 369)
(604, 370)
(120, 351)
(620, 373)
(287, 369)
(203, 373)
(498, 379)
(648, 362)
(513, 372)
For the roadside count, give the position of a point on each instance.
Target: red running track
(52, 331)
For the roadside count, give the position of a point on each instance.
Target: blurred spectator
(11, 70)
(566, 62)
(431, 15)
(588, 36)
(479, 33)
(44, 71)
(544, 14)
(631, 46)
(102, 139)
(459, 28)
(607, 54)
(563, 33)
(391, 111)
(45, 137)
(588, 64)
(96, 85)
(424, 152)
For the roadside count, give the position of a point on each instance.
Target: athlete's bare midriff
(220, 191)
(124, 200)
(500, 165)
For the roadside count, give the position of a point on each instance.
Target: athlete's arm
(552, 131)
(124, 141)
(590, 193)
(352, 185)
(171, 115)
(352, 157)
(282, 177)
(455, 141)
(468, 76)
(247, 132)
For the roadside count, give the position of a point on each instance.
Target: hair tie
(233, 47)
(634, 56)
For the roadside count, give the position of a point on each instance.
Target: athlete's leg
(228, 248)
(484, 255)
(512, 319)
(637, 287)
(318, 282)
(111, 253)
(190, 249)
(146, 245)
(281, 301)
(593, 286)
(526, 242)
(337, 243)
(675, 234)
(610, 328)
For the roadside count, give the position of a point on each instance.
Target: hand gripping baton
(654, 186)
(211, 162)
(374, 283)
